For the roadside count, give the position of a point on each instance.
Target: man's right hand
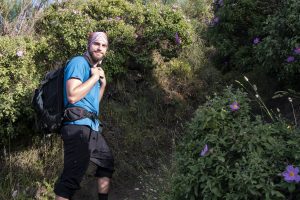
(95, 71)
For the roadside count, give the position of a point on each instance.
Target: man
(84, 85)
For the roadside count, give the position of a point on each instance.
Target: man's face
(97, 50)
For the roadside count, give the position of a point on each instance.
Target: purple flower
(256, 40)
(20, 53)
(297, 50)
(204, 151)
(234, 106)
(177, 38)
(290, 59)
(221, 3)
(291, 174)
(216, 20)
(118, 18)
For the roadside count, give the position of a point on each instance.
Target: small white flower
(20, 53)
(75, 12)
(278, 110)
(246, 78)
(175, 7)
(14, 194)
(136, 189)
(257, 96)
(290, 99)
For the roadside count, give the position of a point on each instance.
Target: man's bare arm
(76, 90)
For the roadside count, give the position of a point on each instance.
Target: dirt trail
(135, 190)
(89, 192)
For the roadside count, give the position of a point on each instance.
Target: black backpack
(48, 102)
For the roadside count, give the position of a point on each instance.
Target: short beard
(94, 59)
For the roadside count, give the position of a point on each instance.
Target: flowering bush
(255, 33)
(18, 78)
(279, 50)
(236, 29)
(135, 31)
(229, 154)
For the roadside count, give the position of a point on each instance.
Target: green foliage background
(18, 79)
(135, 31)
(152, 75)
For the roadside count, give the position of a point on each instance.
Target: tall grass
(18, 17)
(30, 172)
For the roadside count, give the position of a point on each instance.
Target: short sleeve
(75, 69)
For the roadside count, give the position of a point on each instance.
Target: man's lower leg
(103, 188)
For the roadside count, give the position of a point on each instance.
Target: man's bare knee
(103, 185)
(60, 198)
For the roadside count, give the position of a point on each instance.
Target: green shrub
(178, 68)
(18, 78)
(234, 28)
(65, 32)
(245, 156)
(198, 12)
(135, 31)
(252, 34)
(279, 40)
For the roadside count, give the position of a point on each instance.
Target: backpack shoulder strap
(87, 59)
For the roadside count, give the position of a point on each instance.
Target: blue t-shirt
(79, 68)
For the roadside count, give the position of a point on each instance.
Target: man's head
(97, 45)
